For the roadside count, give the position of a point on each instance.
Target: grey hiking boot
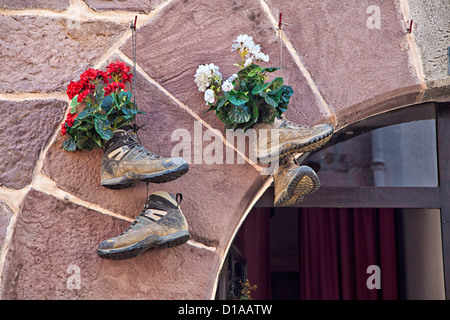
(293, 182)
(290, 138)
(126, 161)
(161, 224)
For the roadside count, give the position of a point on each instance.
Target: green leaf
(267, 113)
(213, 107)
(254, 115)
(286, 93)
(269, 69)
(260, 88)
(74, 102)
(86, 143)
(239, 114)
(222, 114)
(101, 128)
(243, 86)
(69, 144)
(95, 137)
(107, 103)
(125, 96)
(275, 85)
(270, 101)
(222, 100)
(237, 97)
(249, 71)
(254, 71)
(85, 113)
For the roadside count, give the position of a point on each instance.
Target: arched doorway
(384, 196)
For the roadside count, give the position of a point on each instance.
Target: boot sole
(290, 147)
(300, 186)
(152, 241)
(129, 179)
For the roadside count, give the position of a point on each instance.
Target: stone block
(353, 49)
(124, 5)
(42, 54)
(5, 218)
(56, 5)
(431, 32)
(25, 128)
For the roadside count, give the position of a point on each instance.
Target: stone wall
(345, 61)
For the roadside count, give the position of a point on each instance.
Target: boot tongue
(161, 200)
(120, 138)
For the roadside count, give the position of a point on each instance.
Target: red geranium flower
(93, 74)
(119, 71)
(113, 87)
(63, 129)
(70, 119)
(87, 82)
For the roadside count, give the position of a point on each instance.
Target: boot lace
(178, 198)
(291, 124)
(138, 218)
(137, 147)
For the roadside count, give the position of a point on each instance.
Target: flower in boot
(118, 71)
(70, 119)
(209, 96)
(113, 87)
(227, 86)
(206, 75)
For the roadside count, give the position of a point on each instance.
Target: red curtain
(253, 240)
(336, 246)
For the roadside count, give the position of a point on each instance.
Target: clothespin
(133, 25)
(409, 29)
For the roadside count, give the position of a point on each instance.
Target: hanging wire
(281, 41)
(133, 42)
(136, 127)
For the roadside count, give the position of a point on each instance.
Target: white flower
(205, 75)
(227, 86)
(242, 42)
(233, 76)
(209, 96)
(254, 48)
(214, 70)
(245, 44)
(244, 38)
(261, 56)
(202, 77)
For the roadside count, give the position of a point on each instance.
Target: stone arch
(341, 72)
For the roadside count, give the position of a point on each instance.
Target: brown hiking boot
(293, 182)
(126, 161)
(289, 138)
(161, 224)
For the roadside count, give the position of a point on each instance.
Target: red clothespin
(410, 26)
(135, 21)
(279, 21)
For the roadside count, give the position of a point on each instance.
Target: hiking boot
(126, 161)
(293, 182)
(291, 138)
(161, 224)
